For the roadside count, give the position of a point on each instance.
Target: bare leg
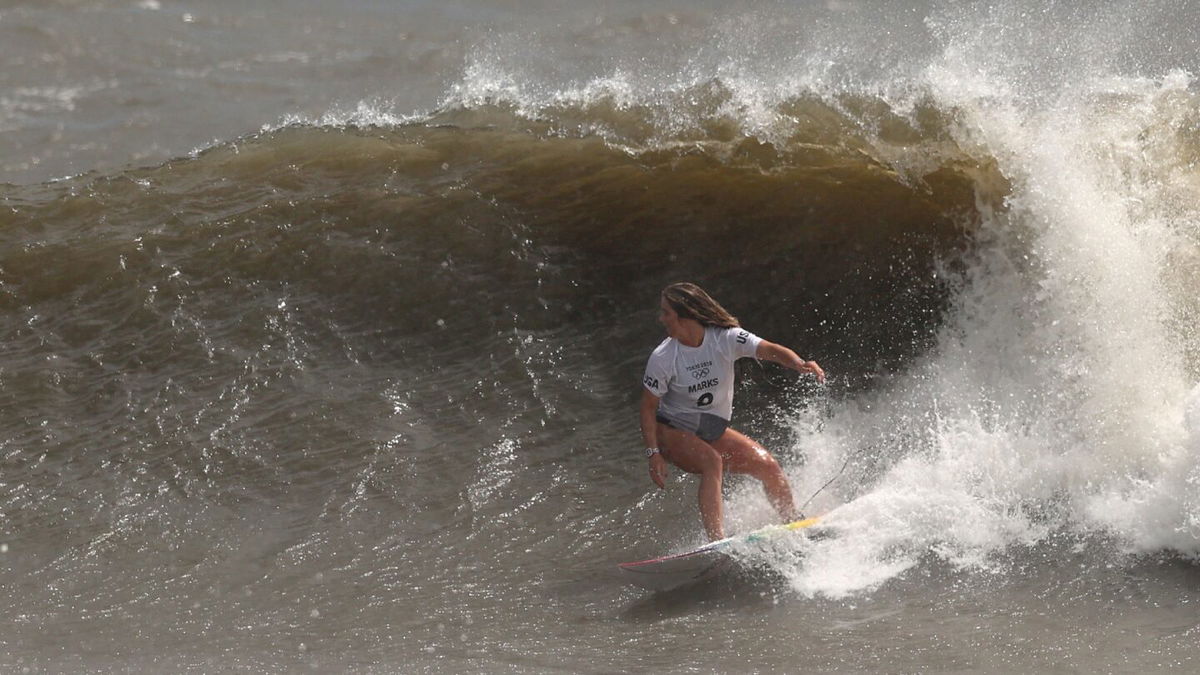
(741, 454)
(686, 451)
(711, 505)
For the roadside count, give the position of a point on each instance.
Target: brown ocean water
(323, 325)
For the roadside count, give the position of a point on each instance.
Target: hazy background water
(323, 325)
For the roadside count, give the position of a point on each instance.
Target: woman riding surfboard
(687, 401)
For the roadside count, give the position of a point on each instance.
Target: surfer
(687, 401)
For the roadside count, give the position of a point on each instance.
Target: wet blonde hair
(691, 302)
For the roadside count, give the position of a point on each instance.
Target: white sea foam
(1055, 398)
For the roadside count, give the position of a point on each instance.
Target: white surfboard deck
(680, 569)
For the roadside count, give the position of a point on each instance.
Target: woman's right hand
(658, 470)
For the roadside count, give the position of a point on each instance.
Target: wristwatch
(650, 452)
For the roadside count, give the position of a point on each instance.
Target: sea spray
(1058, 381)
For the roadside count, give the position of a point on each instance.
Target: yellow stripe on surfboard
(794, 525)
(801, 524)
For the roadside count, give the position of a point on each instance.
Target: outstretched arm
(769, 351)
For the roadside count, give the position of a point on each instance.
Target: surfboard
(698, 564)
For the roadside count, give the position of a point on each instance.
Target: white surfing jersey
(699, 379)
